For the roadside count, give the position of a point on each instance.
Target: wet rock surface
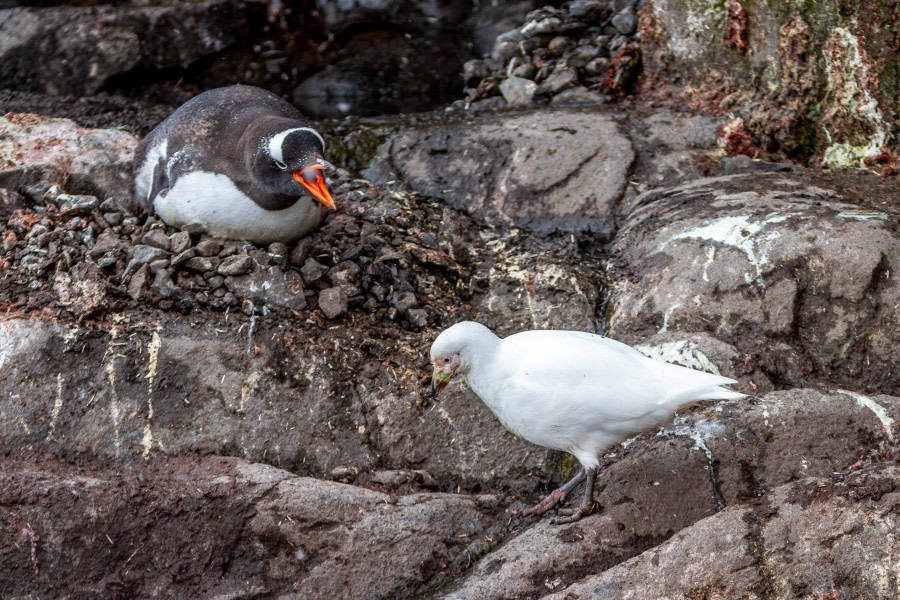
(184, 415)
(550, 170)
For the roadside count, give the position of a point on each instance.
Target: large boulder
(48, 151)
(78, 50)
(792, 275)
(544, 171)
(703, 462)
(816, 538)
(223, 528)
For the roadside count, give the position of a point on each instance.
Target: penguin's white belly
(213, 201)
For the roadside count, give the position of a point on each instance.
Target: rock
(269, 286)
(517, 91)
(417, 317)
(548, 25)
(577, 96)
(687, 472)
(76, 204)
(77, 50)
(559, 79)
(203, 264)
(625, 22)
(333, 302)
(163, 284)
(345, 274)
(800, 539)
(581, 56)
(312, 271)
(10, 202)
(300, 252)
(158, 239)
(92, 161)
(179, 242)
(264, 522)
(587, 8)
(238, 264)
(138, 283)
(23, 344)
(525, 71)
(183, 257)
(208, 247)
(107, 241)
(144, 254)
(559, 45)
(405, 14)
(745, 257)
(559, 170)
(403, 301)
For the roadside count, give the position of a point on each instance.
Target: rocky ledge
(187, 416)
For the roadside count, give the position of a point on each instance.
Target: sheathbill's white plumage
(569, 390)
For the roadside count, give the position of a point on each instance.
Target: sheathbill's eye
(280, 165)
(447, 361)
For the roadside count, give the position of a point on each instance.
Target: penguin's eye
(280, 165)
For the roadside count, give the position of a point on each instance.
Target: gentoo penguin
(235, 160)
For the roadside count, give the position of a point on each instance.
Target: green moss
(353, 147)
(567, 467)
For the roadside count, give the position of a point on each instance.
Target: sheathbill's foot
(570, 515)
(556, 496)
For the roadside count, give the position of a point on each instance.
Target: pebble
(113, 218)
(158, 239)
(156, 265)
(560, 45)
(138, 283)
(208, 247)
(238, 264)
(625, 22)
(202, 263)
(560, 79)
(597, 66)
(403, 301)
(333, 302)
(184, 256)
(581, 56)
(418, 317)
(144, 253)
(179, 242)
(312, 271)
(518, 91)
(548, 25)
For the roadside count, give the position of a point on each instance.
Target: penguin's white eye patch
(280, 165)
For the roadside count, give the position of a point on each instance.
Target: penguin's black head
(293, 156)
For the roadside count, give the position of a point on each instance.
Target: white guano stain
(57, 406)
(886, 421)
(741, 232)
(862, 215)
(114, 408)
(710, 257)
(666, 316)
(147, 439)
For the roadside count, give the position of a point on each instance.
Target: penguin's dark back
(213, 123)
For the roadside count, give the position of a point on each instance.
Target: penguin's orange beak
(312, 179)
